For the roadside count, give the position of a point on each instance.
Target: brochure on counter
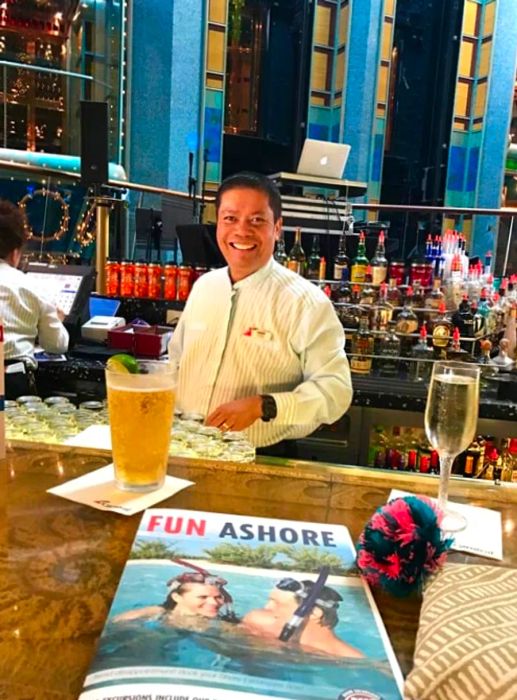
(223, 607)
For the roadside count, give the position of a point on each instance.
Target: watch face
(268, 408)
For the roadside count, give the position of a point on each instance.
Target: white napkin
(98, 490)
(483, 535)
(98, 437)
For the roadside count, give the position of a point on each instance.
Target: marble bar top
(60, 562)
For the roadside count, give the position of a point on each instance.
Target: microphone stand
(203, 182)
(192, 185)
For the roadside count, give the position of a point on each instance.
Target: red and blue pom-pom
(402, 544)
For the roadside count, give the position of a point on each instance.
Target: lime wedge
(123, 364)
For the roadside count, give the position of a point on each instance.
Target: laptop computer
(323, 158)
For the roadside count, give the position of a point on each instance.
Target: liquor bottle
(407, 324)
(396, 452)
(506, 461)
(479, 321)
(503, 362)
(433, 299)
(471, 460)
(341, 258)
(383, 310)
(322, 269)
(456, 352)
(393, 296)
(510, 334)
(513, 453)
(420, 368)
(362, 348)
(379, 262)
(280, 255)
(424, 459)
(429, 248)
(441, 332)
(368, 293)
(486, 366)
(313, 264)
(418, 295)
(377, 447)
(296, 260)
(343, 293)
(389, 348)
(492, 466)
(464, 319)
(484, 304)
(360, 262)
(397, 271)
(349, 315)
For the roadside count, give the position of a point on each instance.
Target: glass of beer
(141, 411)
(451, 416)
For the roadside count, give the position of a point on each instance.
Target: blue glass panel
(472, 171)
(457, 162)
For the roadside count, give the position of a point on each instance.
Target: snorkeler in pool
(316, 630)
(191, 595)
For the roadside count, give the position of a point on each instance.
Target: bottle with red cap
(422, 354)
(407, 324)
(455, 351)
(379, 263)
(441, 332)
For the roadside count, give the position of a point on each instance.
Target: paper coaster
(99, 490)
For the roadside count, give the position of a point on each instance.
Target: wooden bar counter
(60, 562)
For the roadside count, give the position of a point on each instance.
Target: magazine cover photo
(214, 606)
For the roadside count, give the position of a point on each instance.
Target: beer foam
(142, 389)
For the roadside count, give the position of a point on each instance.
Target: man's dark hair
(328, 595)
(252, 181)
(12, 232)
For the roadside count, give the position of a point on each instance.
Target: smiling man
(258, 348)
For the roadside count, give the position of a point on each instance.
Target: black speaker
(199, 245)
(94, 143)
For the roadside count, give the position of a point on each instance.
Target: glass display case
(53, 54)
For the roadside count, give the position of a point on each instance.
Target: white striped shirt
(270, 333)
(25, 316)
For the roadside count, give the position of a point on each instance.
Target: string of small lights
(85, 229)
(65, 216)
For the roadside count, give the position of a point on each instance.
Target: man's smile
(242, 246)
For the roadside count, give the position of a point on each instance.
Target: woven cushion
(466, 646)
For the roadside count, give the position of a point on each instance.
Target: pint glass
(141, 411)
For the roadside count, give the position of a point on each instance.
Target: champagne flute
(451, 417)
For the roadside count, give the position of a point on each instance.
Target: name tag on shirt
(258, 334)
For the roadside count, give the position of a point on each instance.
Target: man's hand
(60, 314)
(236, 415)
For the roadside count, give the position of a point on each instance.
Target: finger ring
(225, 426)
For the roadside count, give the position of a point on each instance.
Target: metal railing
(51, 173)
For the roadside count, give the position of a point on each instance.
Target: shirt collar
(256, 277)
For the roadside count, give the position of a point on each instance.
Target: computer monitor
(67, 287)
(102, 306)
(323, 158)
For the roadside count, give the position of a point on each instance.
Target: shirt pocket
(260, 359)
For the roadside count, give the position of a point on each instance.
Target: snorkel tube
(229, 615)
(304, 609)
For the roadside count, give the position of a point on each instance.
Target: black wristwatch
(268, 408)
